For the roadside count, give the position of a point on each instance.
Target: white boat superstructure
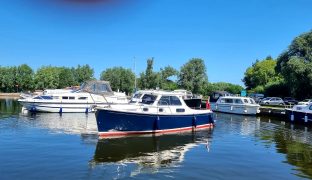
(237, 105)
(187, 96)
(91, 94)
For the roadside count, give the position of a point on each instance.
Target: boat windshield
(307, 100)
(252, 101)
(44, 97)
(137, 96)
(148, 99)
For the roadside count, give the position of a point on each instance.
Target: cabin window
(65, 97)
(246, 101)
(71, 97)
(238, 101)
(174, 100)
(164, 101)
(310, 107)
(82, 98)
(161, 110)
(228, 100)
(169, 101)
(145, 109)
(180, 110)
(148, 99)
(104, 88)
(56, 97)
(137, 96)
(43, 97)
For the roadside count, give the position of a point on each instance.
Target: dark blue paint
(299, 117)
(121, 121)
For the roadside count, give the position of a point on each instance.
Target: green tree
(66, 77)
(24, 78)
(222, 86)
(47, 77)
(149, 79)
(193, 76)
(261, 73)
(120, 79)
(165, 81)
(295, 64)
(84, 73)
(8, 79)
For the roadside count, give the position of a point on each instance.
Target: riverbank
(9, 95)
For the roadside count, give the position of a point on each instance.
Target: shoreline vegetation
(192, 76)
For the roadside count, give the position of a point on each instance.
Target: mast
(135, 80)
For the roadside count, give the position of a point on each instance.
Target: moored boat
(157, 112)
(300, 114)
(237, 105)
(90, 94)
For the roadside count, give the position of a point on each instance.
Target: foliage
(84, 73)
(120, 79)
(193, 76)
(47, 77)
(8, 79)
(278, 88)
(295, 65)
(222, 86)
(261, 73)
(67, 77)
(149, 79)
(24, 78)
(165, 83)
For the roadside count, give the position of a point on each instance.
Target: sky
(228, 35)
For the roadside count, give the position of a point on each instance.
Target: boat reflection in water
(67, 123)
(150, 153)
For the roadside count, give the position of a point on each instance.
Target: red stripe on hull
(120, 133)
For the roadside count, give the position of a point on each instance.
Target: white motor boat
(237, 105)
(91, 94)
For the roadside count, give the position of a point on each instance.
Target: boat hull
(236, 109)
(59, 107)
(299, 117)
(119, 123)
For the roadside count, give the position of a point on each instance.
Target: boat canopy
(97, 87)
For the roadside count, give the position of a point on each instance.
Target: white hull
(60, 107)
(237, 109)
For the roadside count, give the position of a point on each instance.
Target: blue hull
(299, 117)
(122, 123)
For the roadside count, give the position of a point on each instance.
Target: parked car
(290, 101)
(272, 101)
(305, 102)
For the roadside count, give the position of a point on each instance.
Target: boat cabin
(235, 100)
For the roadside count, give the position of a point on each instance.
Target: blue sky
(228, 35)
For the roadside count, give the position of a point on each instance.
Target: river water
(53, 146)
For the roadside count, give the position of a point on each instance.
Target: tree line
(23, 78)
(290, 74)
(192, 76)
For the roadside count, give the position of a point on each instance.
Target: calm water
(50, 146)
